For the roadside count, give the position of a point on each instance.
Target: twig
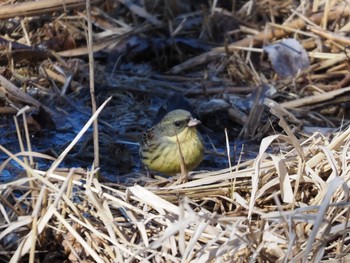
(92, 85)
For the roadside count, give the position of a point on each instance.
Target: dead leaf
(287, 57)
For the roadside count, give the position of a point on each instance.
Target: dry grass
(288, 206)
(285, 205)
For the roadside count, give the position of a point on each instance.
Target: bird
(161, 145)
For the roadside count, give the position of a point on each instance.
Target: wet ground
(120, 126)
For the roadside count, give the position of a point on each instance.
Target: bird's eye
(177, 123)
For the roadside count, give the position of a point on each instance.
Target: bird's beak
(193, 122)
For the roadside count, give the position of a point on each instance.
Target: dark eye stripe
(178, 123)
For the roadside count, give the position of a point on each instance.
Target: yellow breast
(166, 158)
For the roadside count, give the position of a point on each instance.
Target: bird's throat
(184, 136)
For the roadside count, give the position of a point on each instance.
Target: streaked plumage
(159, 148)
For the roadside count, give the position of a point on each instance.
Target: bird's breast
(165, 158)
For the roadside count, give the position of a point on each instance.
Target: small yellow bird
(160, 145)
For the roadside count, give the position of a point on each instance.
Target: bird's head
(176, 121)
